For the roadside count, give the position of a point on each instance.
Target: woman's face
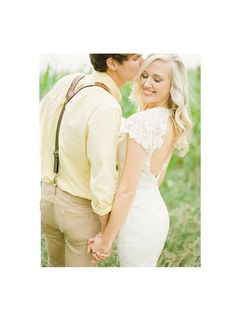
(155, 83)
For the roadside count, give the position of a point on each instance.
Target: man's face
(129, 68)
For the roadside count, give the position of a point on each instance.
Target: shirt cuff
(101, 209)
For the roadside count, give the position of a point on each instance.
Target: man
(75, 205)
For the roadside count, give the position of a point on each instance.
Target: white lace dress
(144, 232)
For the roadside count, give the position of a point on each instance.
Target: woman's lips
(148, 92)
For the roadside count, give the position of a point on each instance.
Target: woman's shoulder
(147, 127)
(154, 117)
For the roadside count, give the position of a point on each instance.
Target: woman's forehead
(159, 67)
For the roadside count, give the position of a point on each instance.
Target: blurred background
(74, 62)
(181, 187)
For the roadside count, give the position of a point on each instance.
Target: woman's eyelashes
(145, 75)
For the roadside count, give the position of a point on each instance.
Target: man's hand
(100, 251)
(91, 241)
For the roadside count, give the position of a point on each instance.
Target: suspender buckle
(56, 161)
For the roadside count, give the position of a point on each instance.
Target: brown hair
(99, 60)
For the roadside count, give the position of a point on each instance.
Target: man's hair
(99, 60)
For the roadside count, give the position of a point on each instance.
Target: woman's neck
(155, 104)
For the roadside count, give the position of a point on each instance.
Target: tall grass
(180, 189)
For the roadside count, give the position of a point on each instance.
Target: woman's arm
(132, 169)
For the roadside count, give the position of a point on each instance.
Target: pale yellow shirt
(87, 141)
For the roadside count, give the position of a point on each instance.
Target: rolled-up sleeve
(103, 133)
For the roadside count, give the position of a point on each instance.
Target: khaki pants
(68, 222)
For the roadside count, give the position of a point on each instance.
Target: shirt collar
(109, 82)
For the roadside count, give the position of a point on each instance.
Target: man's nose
(141, 60)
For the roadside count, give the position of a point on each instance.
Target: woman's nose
(148, 83)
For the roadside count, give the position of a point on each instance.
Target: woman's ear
(111, 64)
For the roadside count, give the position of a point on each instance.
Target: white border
(51, 27)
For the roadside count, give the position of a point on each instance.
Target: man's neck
(115, 78)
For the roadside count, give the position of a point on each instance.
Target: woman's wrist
(106, 243)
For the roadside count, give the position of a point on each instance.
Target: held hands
(100, 250)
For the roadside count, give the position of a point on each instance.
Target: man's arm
(103, 131)
(103, 222)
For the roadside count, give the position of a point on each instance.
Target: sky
(73, 62)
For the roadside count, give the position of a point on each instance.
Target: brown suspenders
(70, 94)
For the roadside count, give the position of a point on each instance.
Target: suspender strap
(70, 94)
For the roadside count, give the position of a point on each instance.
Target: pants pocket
(77, 227)
(47, 212)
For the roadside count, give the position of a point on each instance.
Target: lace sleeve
(147, 128)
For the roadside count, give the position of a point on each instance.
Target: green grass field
(180, 189)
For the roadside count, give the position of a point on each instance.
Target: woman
(139, 216)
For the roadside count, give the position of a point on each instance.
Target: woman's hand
(100, 249)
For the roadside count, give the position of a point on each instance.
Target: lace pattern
(147, 128)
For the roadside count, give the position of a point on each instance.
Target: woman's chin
(146, 99)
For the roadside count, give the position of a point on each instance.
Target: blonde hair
(178, 102)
